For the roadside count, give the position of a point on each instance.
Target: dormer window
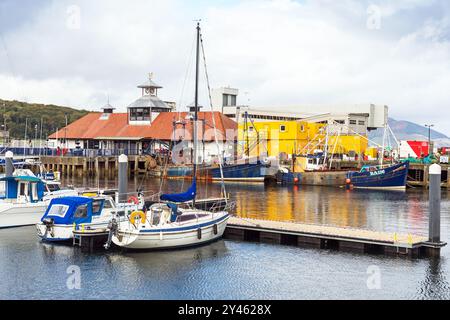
(139, 114)
(107, 111)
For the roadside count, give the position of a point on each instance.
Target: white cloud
(283, 53)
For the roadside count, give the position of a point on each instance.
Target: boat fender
(215, 229)
(199, 233)
(138, 215)
(133, 199)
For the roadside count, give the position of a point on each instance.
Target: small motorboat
(392, 177)
(66, 214)
(24, 199)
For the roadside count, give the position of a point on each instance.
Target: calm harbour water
(239, 270)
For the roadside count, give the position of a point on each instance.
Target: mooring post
(435, 204)
(123, 178)
(9, 165)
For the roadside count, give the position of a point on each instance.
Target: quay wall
(107, 166)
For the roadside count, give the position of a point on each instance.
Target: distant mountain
(16, 114)
(405, 130)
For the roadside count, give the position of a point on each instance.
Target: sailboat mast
(197, 65)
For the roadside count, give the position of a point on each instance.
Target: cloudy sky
(279, 53)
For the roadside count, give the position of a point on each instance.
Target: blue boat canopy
(70, 210)
(189, 195)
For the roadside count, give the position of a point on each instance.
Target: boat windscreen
(81, 212)
(53, 187)
(58, 210)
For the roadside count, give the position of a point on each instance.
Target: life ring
(138, 215)
(133, 199)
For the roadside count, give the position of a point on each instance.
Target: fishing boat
(65, 215)
(243, 171)
(391, 177)
(175, 221)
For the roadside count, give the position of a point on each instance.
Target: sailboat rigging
(175, 221)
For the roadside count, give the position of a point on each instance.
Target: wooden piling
(448, 178)
(426, 176)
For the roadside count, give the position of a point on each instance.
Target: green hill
(18, 113)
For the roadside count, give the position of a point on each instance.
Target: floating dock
(327, 237)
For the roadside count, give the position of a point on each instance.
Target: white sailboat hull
(176, 236)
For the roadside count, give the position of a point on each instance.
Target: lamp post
(430, 149)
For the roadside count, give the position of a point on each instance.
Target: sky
(278, 53)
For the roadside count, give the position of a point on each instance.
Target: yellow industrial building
(284, 138)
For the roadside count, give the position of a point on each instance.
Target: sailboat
(175, 221)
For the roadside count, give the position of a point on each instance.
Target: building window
(352, 121)
(140, 114)
(229, 100)
(302, 128)
(233, 100)
(282, 128)
(225, 100)
(361, 122)
(340, 121)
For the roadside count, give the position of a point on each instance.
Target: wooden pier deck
(328, 237)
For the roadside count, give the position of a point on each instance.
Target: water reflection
(229, 269)
(435, 285)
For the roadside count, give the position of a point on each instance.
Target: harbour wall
(107, 167)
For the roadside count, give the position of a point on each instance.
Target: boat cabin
(75, 210)
(22, 189)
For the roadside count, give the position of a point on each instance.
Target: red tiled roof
(163, 128)
(116, 127)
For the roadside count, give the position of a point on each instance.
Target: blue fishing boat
(377, 177)
(240, 172)
(245, 171)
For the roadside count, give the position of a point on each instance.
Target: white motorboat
(64, 215)
(25, 198)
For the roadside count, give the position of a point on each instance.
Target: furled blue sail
(182, 197)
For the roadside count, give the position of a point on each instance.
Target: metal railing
(49, 152)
